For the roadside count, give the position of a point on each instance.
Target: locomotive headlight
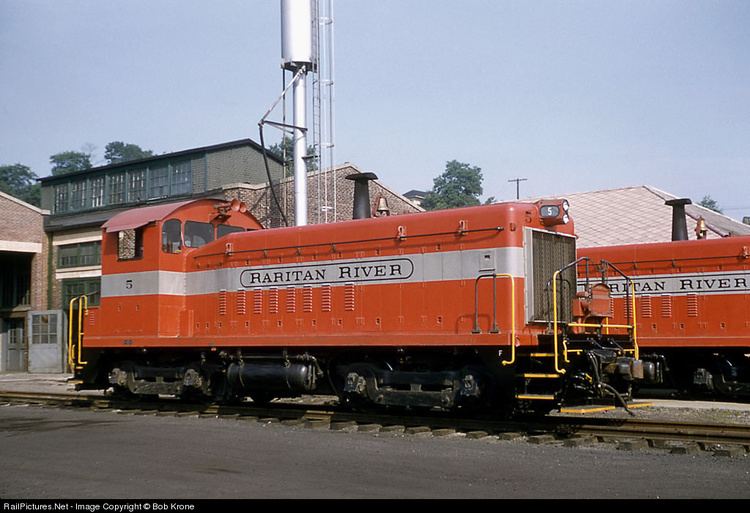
(566, 218)
(565, 207)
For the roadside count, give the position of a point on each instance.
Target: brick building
(24, 252)
(260, 201)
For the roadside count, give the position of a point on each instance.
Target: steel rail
(562, 427)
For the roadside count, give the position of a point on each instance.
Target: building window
(137, 185)
(91, 287)
(198, 234)
(61, 198)
(159, 186)
(181, 179)
(78, 195)
(117, 189)
(44, 329)
(97, 192)
(79, 255)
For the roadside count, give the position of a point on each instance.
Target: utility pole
(518, 185)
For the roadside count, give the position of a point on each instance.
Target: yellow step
(534, 375)
(542, 355)
(535, 397)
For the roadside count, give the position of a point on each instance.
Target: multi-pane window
(91, 287)
(78, 195)
(79, 255)
(123, 186)
(136, 185)
(44, 328)
(159, 182)
(96, 190)
(117, 188)
(181, 179)
(61, 198)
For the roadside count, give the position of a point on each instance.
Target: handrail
(73, 358)
(635, 323)
(512, 317)
(631, 311)
(85, 301)
(494, 328)
(71, 353)
(554, 322)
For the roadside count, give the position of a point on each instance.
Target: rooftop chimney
(362, 208)
(679, 224)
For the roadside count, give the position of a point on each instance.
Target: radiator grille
(546, 253)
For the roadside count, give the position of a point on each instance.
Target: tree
(118, 151)
(20, 181)
(69, 162)
(286, 147)
(459, 186)
(710, 203)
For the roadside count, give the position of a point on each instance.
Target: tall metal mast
(297, 57)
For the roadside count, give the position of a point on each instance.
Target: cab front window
(197, 234)
(171, 236)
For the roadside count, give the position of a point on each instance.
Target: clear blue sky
(572, 95)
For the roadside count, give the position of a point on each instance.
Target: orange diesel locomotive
(446, 309)
(692, 309)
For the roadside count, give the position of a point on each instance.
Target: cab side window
(171, 236)
(224, 229)
(198, 234)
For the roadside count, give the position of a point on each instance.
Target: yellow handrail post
(71, 352)
(512, 316)
(635, 330)
(81, 308)
(554, 323)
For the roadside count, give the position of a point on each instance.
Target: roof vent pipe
(679, 224)
(362, 208)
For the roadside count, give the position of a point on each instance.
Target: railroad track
(630, 433)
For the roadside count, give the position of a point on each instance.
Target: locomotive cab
(144, 252)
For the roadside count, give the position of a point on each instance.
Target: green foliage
(710, 203)
(459, 186)
(118, 151)
(69, 162)
(285, 151)
(20, 181)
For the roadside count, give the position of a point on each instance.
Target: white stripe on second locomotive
(409, 268)
(678, 284)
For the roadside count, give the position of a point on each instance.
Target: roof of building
(23, 203)
(203, 149)
(635, 215)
